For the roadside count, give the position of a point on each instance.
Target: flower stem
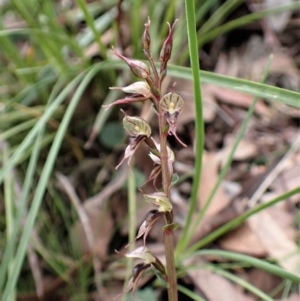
(168, 233)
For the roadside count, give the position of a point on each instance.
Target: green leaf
(112, 134)
(174, 179)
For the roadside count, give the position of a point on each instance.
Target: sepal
(139, 87)
(151, 217)
(138, 68)
(136, 126)
(159, 200)
(134, 143)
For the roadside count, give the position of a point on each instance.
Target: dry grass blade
(84, 219)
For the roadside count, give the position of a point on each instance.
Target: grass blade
(199, 122)
(42, 184)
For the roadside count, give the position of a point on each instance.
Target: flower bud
(138, 68)
(160, 200)
(146, 37)
(136, 126)
(151, 217)
(138, 269)
(137, 273)
(166, 50)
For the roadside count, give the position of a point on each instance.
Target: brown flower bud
(166, 50)
(151, 217)
(138, 68)
(138, 269)
(160, 267)
(137, 273)
(146, 37)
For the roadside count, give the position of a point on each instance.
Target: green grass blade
(90, 21)
(132, 226)
(229, 160)
(17, 129)
(11, 243)
(9, 209)
(240, 219)
(199, 122)
(29, 177)
(189, 293)
(136, 27)
(237, 23)
(14, 159)
(42, 184)
(219, 15)
(86, 38)
(238, 280)
(258, 263)
(253, 88)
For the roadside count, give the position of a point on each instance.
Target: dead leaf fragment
(275, 241)
(208, 180)
(101, 224)
(244, 241)
(215, 287)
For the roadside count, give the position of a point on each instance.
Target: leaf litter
(271, 234)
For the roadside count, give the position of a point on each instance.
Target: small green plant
(168, 108)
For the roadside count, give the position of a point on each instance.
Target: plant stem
(170, 265)
(168, 233)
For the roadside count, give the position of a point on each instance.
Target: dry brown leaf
(263, 280)
(209, 176)
(284, 218)
(275, 241)
(246, 149)
(238, 98)
(243, 240)
(210, 173)
(102, 225)
(112, 290)
(289, 178)
(215, 287)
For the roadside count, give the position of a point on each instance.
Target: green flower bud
(136, 126)
(160, 200)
